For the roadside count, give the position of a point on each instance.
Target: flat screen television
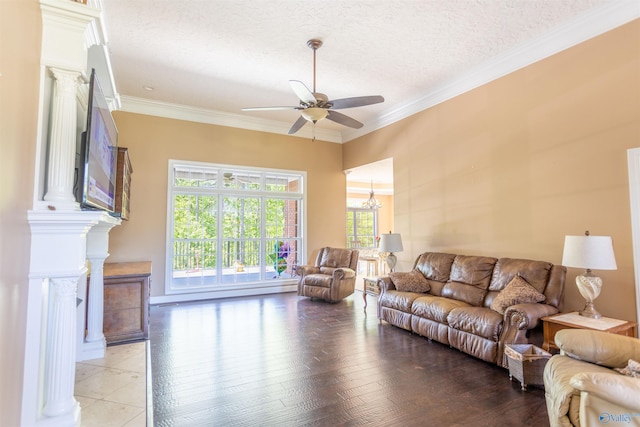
(96, 156)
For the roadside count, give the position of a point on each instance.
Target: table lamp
(391, 243)
(589, 252)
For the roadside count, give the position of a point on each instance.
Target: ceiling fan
(316, 106)
(229, 178)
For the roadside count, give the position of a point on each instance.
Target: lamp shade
(391, 242)
(589, 252)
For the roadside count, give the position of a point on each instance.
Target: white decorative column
(60, 363)
(95, 301)
(58, 248)
(62, 140)
(94, 345)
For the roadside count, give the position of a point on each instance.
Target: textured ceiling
(217, 56)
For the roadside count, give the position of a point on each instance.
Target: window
(362, 226)
(229, 227)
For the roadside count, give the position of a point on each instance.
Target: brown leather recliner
(332, 278)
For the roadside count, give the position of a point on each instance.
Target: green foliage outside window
(215, 228)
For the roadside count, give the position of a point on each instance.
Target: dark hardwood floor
(284, 360)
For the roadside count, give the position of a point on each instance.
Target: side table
(552, 324)
(370, 288)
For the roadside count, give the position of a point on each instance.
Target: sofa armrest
(611, 387)
(527, 316)
(601, 348)
(303, 270)
(518, 319)
(385, 284)
(343, 273)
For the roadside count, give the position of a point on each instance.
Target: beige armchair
(581, 386)
(332, 278)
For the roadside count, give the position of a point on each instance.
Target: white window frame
(222, 290)
(351, 210)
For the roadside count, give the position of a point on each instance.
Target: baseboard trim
(170, 299)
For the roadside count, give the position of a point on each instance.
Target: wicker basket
(526, 363)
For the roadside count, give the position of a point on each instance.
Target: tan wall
(385, 214)
(20, 34)
(512, 167)
(152, 141)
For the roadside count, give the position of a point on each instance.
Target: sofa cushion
(479, 321)
(472, 270)
(463, 292)
(327, 270)
(321, 280)
(336, 257)
(398, 300)
(412, 281)
(518, 291)
(435, 266)
(435, 308)
(536, 273)
(469, 279)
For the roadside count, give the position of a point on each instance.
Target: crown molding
(583, 27)
(220, 118)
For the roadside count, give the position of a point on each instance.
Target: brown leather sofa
(473, 303)
(332, 278)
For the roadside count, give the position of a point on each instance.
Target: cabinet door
(126, 308)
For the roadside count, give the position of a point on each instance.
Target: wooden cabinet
(123, 183)
(126, 301)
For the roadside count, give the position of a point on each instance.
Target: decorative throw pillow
(517, 291)
(412, 281)
(631, 370)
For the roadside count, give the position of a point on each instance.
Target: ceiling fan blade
(302, 92)
(358, 101)
(297, 125)
(343, 119)
(269, 108)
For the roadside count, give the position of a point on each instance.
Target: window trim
(236, 289)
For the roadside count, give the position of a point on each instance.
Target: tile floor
(113, 391)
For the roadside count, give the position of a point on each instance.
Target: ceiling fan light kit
(315, 106)
(313, 114)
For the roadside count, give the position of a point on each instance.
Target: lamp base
(391, 261)
(590, 311)
(589, 287)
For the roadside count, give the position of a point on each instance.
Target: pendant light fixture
(371, 203)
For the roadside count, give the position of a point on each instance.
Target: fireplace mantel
(65, 240)
(61, 244)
